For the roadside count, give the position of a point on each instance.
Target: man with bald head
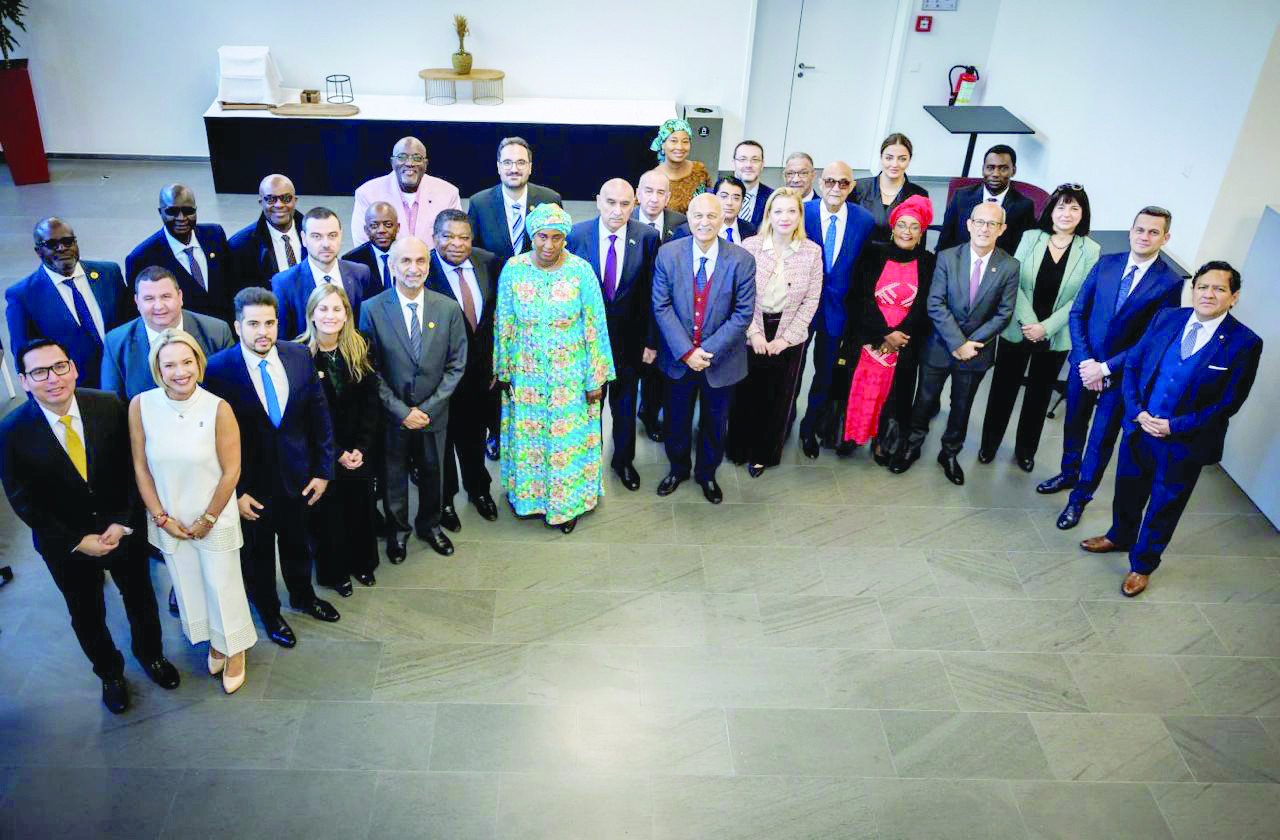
(415, 196)
(381, 228)
(273, 241)
(418, 345)
(197, 255)
(66, 300)
(621, 251)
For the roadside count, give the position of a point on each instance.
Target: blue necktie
(83, 315)
(700, 279)
(386, 278)
(517, 229)
(728, 232)
(415, 333)
(269, 393)
(829, 243)
(1189, 340)
(1126, 286)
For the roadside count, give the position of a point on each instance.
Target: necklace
(180, 407)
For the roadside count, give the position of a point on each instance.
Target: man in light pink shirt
(416, 196)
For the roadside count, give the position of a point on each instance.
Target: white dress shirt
(152, 335)
(998, 199)
(468, 275)
(318, 273)
(277, 244)
(619, 247)
(737, 234)
(275, 369)
(512, 214)
(385, 281)
(712, 255)
(409, 314)
(824, 219)
(1137, 278)
(1207, 329)
(81, 282)
(60, 431)
(180, 254)
(748, 203)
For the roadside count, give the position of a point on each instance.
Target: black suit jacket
(480, 340)
(489, 225)
(670, 221)
(356, 415)
(366, 256)
(865, 323)
(1019, 217)
(44, 487)
(629, 316)
(254, 254)
(221, 279)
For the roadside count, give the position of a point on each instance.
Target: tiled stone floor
(833, 653)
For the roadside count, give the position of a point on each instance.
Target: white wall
(134, 76)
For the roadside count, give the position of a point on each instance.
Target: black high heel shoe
(755, 470)
(567, 527)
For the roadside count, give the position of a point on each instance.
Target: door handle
(804, 66)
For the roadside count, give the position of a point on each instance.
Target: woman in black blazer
(880, 194)
(341, 524)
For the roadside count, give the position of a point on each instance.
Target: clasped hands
(698, 359)
(100, 545)
(1155, 426)
(968, 350)
(1092, 374)
(761, 347)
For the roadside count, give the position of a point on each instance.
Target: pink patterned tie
(975, 280)
(410, 216)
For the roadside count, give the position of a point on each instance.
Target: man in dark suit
(273, 242)
(68, 301)
(971, 299)
(735, 229)
(621, 252)
(748, 165)
(322, 232)
(287, 457)
(841, 228)
(467, 275)
(418, 345)
(498, 213)
(126, 366)
(704, 294)
(67, 470)
(1111, 312)
(382, 227)
(1182, 384)
(999, 166)
(196, 254)
(652, 194)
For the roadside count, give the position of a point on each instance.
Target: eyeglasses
(403, 158)
(514, 164)
(40, 374)
(755, 160)
(58, 244)
(287, 198)
(1076, 187)
(990, 224)
(175, 212)
(907, 226)
(843, 183)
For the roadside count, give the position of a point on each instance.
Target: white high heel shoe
(216, 664)
(231, 684)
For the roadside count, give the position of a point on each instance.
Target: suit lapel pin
(631, 242)
(431, 325)
(212, 255)
(320, 374)
(93, 275)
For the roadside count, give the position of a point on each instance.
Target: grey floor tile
(1226, 749)
(83, 802)
(646, 739)
(964, 745)
(1072, 574)
(975, 574)
(1246, 629)
(1233, 685)
(1232, 535)
(931, 624)
(570, 568)
(1063, 811)
(1013, 682)
(541, 807)
(722, 524)
(353, 626)
(451, 672)
(635, 618)
(1234, 580)
(755, 677)
(998, 529)
(875, 572)
(1109, 748)
(625, 524)
(1272, 725)
(1220, 811)
(1035, 625)
(798, 484)
(657, 568)
(425, 615)
(568, 674)
(505, 738)
(48, 731)
(731, 620)
(789, 571)
(1119, 683)
(436, 806)
(942, 809)
(888, 679)
(689, 808)
(827, 525)
(325, 671)
(364, 736)
(808, 742)
(814, 621)
(1152, 628)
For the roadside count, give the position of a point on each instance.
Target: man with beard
(415, 196)
(323, 234)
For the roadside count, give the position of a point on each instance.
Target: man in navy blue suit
(730, 190)
(621, 251)
(841, 228)
(999, 165)
(1183, 382)
(748, 164)
(498, 213)
(287, 457)
(273, 242)
(322, 233)
(1111, 312)
(382, 227)
(196, 254)
(68, 301)
(704, 294)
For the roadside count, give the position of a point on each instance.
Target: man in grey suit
(125, 366)
(418, 342)
(971, 300)
(702, 310)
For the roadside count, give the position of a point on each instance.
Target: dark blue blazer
(222, 280)
(126, 367)
(757, 209)
(670, 221)
(367, 257)
(1101, 333)
(275, 460)
(1224, 372)
(255, 254)
(35, 309)
(489, 225)
(836, 283)
(629, 316)
(1019, 217)
(293, 286)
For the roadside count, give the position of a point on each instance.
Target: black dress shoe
(320, 610)
(449, 519)
(1070, 516)
(279, 631)
(755, 470)
(115, 695)
(669, 484)
(629, 477)
(485, 506)
(902, 460)
(882, 457)
(397, 548)
(344, 589)
(567, 527)
(492, 448)
(1060, 482)
(439, 543)
(986, 456)
(161, 672)
(652, 429)
(809, 445)
(951, 468)
(712, 491)
(366, 579)
(173, 602)
(846, 449)
(1025, 464)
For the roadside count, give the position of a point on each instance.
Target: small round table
(442, 85)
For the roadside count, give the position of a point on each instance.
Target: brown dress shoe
(1099, 545)
(1133, 584)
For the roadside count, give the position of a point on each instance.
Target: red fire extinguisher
(962, 86)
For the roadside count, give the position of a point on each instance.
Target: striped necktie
(517, 229)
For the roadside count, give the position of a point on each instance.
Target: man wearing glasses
(272, 242)
(498, 213)
(416, 196)
(798, 173)
(68, 301)
(748, 163)
(196, 254)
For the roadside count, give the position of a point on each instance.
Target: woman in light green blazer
(1054, 258)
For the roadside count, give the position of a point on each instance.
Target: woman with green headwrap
(552, 359)
(688, 177)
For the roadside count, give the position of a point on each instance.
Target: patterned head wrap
(918, 207)
(668, 128)
(548, 215)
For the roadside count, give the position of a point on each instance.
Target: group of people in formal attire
(266, 393)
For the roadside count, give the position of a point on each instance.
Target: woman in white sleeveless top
(186, 456)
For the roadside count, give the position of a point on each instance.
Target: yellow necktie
(75, 448)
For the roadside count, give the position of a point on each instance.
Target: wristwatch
(209, 519)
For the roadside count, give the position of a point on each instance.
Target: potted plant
(462, 58)
(20, 128)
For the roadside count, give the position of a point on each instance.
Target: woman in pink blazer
(788, 285)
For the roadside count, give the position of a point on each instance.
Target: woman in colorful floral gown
(551, 359)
